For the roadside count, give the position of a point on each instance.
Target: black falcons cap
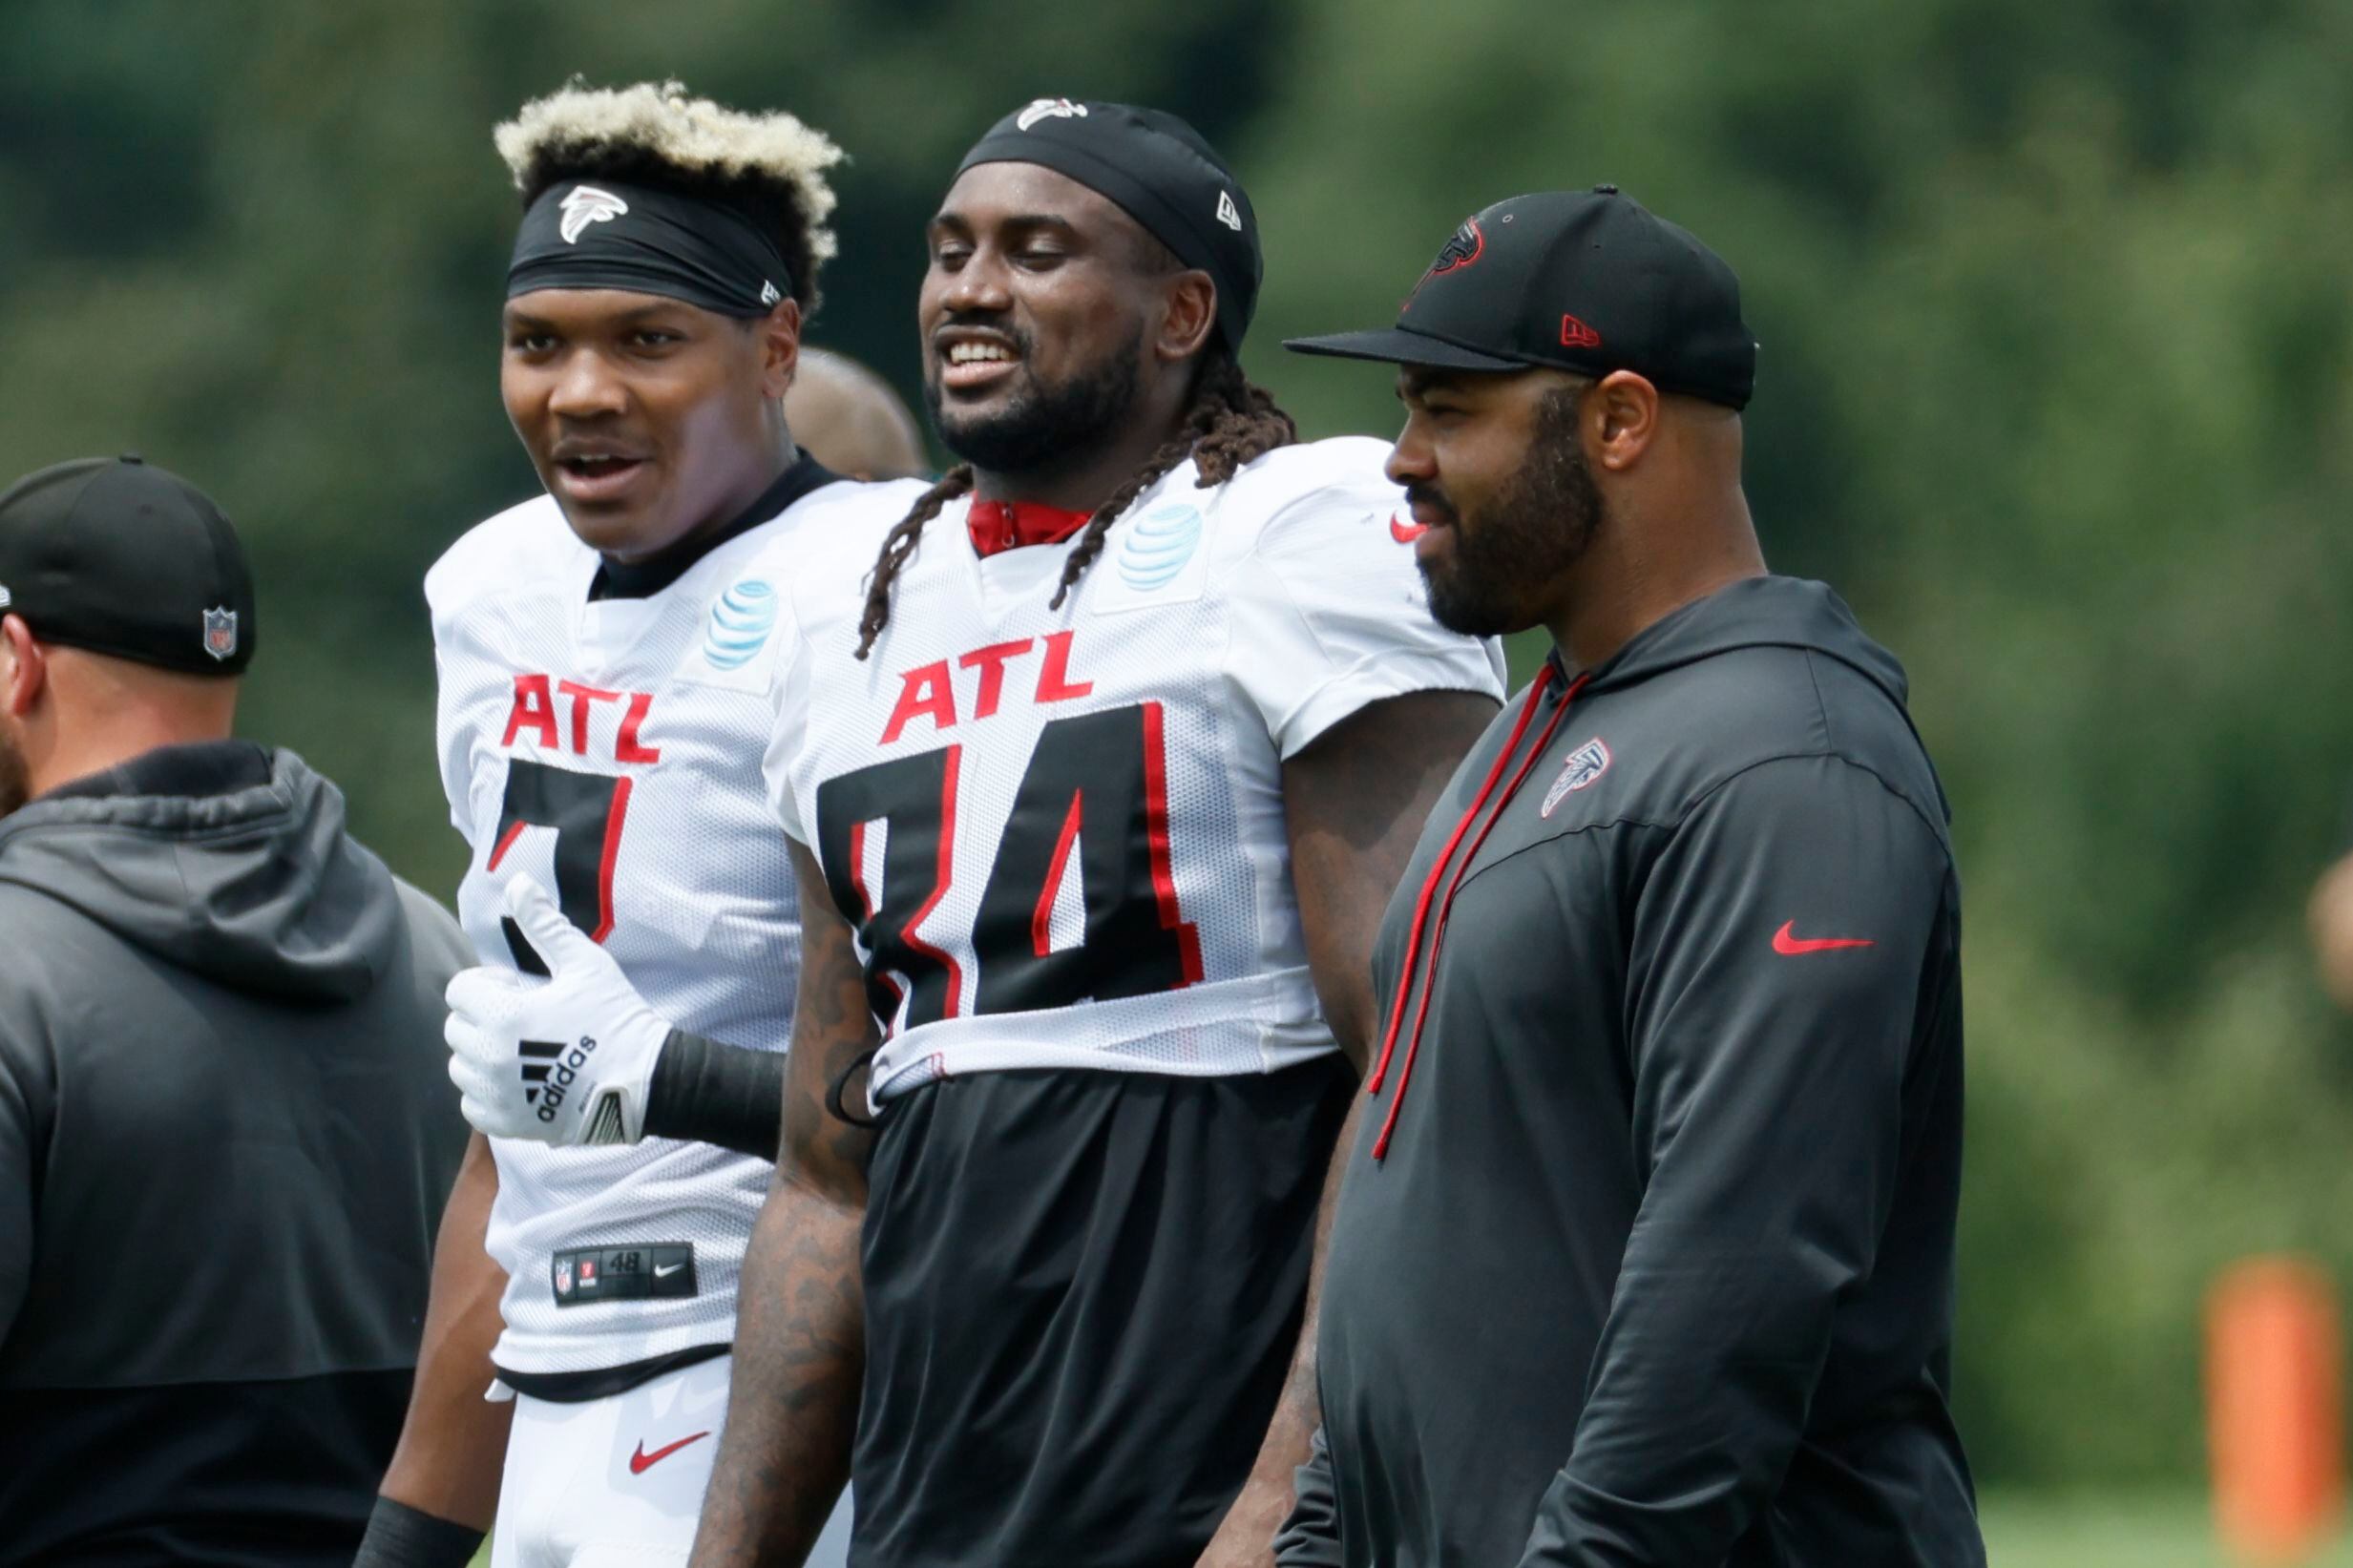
(114, 556)
(1161, 172)
(1589, 281)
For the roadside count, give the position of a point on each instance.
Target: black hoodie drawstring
(1429, 887)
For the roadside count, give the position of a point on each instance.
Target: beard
(1041, 427)
(1535, 528)
(15, 780)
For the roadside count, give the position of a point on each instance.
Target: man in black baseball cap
(1670, 993)
(122, 557)
(214, 1002)
(135, 571)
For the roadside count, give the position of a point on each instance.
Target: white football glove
(567, 1059)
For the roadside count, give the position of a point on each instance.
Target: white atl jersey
(1060, 832)
(611, 750)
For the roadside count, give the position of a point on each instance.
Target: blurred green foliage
(2057, 387)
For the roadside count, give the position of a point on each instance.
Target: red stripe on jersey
(1041, 921)
(940, 888)
(1156, 832)
(857, 870)
(506, 842)
(604, 864)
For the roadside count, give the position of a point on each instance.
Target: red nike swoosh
(1785, 944)
(1404, 531)
(641, 1461)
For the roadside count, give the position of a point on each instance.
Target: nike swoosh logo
(662, 1271)
(1789, 945)
(1404, 532)
(641, 1461)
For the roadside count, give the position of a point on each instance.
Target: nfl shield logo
(563, 1278)
(221, 632)
(1584, 765)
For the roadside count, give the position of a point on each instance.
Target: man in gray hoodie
(1645, 1259)
(225, 1129)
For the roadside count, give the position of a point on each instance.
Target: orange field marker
(2275, 1413)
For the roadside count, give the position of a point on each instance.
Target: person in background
(1646, 1253)
(225, 1129)
(2331, 916)
(847, 418)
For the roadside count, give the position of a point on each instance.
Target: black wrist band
(711, 1093)
(401, 1536)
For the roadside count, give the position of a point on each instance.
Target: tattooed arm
(800, 1336)
(1354, 800)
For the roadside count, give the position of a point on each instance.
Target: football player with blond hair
(600, 731)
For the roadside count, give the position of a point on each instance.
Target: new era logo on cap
(1228, 213)
(585, 204)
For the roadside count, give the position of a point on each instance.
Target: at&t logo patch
(1158, 545)
(741, 619)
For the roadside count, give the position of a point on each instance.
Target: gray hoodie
(1646, 1254)
(225, 1138)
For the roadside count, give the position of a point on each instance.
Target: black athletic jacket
(1646, 1253)
(226, 1132)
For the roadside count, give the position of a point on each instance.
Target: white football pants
(620, 1480)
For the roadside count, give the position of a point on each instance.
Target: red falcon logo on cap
(1462, 247)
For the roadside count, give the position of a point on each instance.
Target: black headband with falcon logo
(1161, 172)
(611, 234)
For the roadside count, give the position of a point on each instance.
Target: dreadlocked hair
(771, 168)
(1230, 423)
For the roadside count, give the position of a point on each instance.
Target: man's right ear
(24, 667)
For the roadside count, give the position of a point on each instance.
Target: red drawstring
(1421, 907)
(1429, 885)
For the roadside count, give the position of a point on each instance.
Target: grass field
(2163, 1530)
(2167, 1530)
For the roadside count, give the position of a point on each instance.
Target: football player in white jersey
(599, 737)
(1095, 782)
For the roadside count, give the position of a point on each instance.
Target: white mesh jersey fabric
(612, 751)
(1060, 832)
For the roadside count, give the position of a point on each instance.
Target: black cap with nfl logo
(118, 557)
(1588, 282)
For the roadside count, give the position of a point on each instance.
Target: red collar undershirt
(1008, 525)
